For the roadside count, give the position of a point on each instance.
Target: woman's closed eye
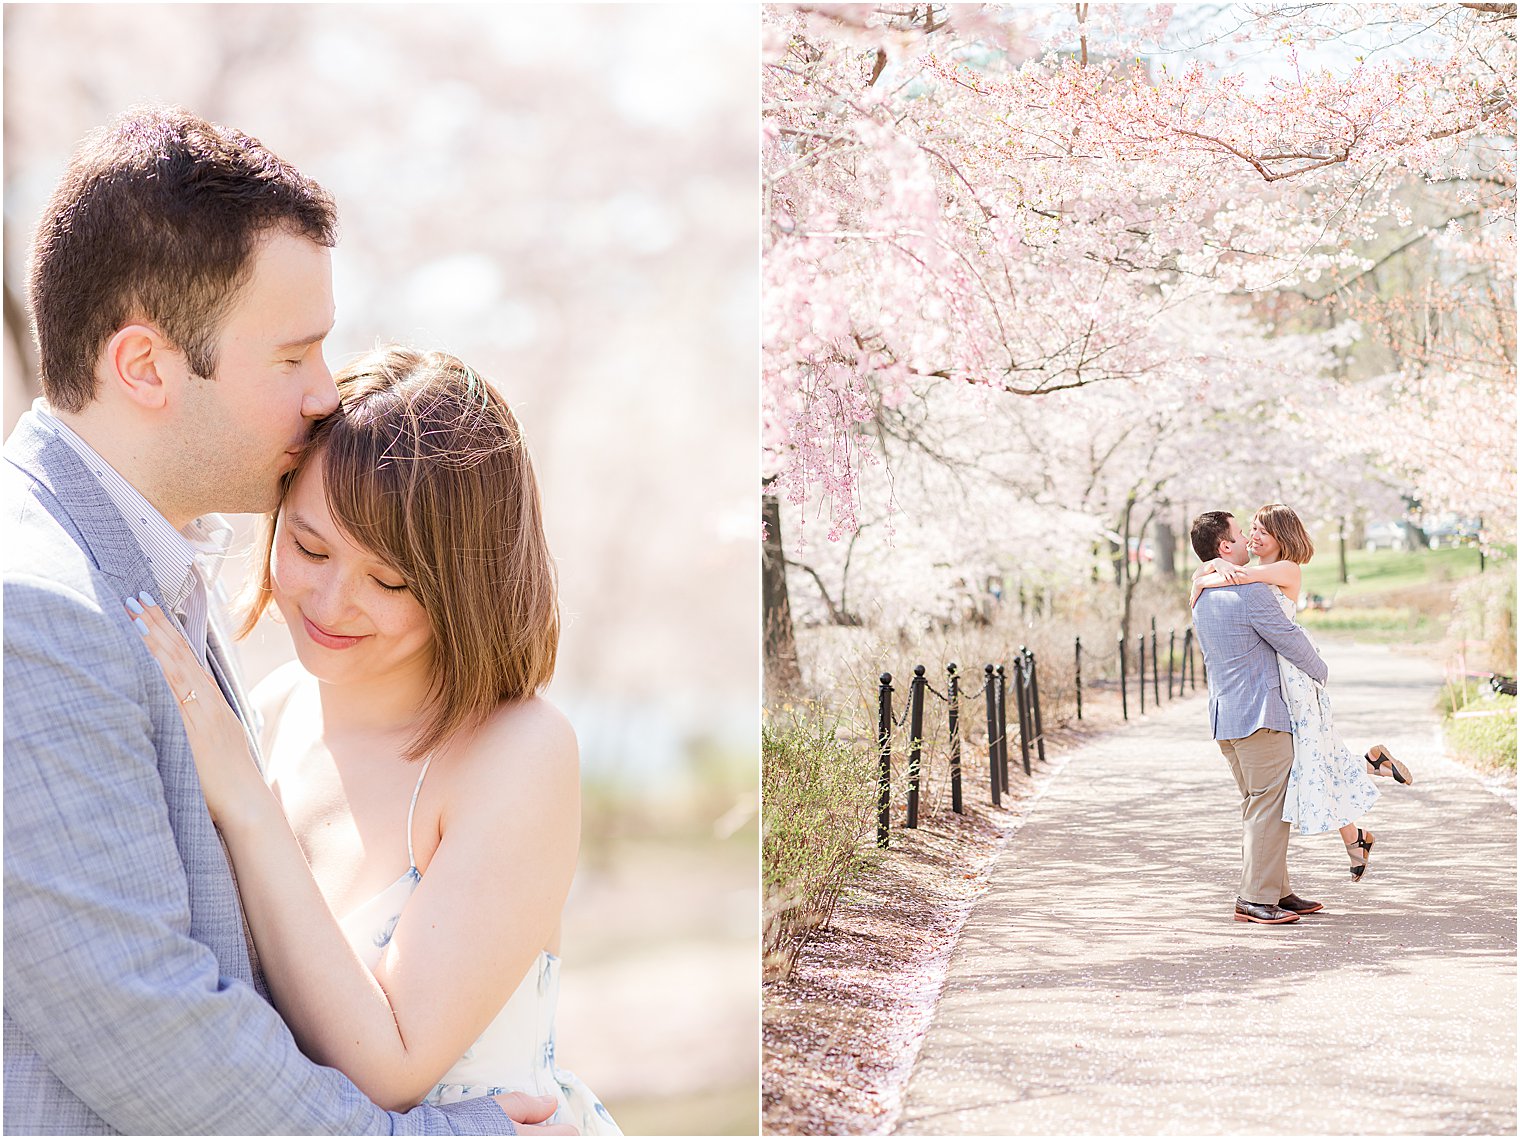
(309, 554)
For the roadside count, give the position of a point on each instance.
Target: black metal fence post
(1140, 675)
(1021, 692)
(1079, 678)
(1002, 691)
(954, 714)
(992, 755)
(915, 739)
(1155, 668)
(1187, 658)
(1034, 699)
(1171, 661)
(884, 739)
(1123, 679)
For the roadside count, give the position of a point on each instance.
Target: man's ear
(137, 360)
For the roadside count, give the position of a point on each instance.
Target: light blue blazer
(131, 1004)
(1241, 630)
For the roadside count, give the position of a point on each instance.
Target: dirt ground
(841, 1034)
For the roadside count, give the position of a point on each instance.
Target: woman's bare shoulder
(527, 742)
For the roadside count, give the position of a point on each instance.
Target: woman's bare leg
(1358, 848)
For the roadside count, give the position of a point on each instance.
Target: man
(181, 287)
(1241, 630)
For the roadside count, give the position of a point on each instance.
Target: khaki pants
(1261, 762)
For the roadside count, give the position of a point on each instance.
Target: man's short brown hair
(156, 220)
(1209, 529)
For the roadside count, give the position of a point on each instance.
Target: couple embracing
(330, 905)
(1268, 708)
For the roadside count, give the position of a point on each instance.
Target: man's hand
(528, 1112)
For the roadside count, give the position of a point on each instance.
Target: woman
(1327, 786)
(417, 785)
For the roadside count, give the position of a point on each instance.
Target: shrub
(820, 804)
(1486, 739)
(1459, 694)
(1483, 610)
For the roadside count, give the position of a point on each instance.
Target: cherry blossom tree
(1190, 234)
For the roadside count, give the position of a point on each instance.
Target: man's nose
(322, 395)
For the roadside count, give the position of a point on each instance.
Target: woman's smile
(326, 639)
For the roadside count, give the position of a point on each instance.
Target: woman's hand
(529, 1112)
(1226, 573)
(220, 745)
(1213, 565)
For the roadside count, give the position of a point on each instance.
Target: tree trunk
(1166, 549)
(782, 674)
(1344, 577)
(1127, 576)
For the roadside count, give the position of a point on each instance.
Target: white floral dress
(516, 1051)
(1328, 786)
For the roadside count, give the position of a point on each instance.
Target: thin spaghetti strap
(411, 858)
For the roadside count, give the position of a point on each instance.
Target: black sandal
(1380, 757)
(1360, 851)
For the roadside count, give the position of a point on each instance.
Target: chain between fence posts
(1171, 661)
(1140, 676)
(1079, 678)
(884, 739)
(1034, 697)
(992, 756)
(915, 740)
(954, 700)
(1002, 703)
(1123, 679)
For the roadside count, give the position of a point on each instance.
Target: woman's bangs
(367, 492)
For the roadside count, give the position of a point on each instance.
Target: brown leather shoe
(1264, 913)
(1296, 905)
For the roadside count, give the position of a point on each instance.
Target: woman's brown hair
(426, 466)
(1283, 524)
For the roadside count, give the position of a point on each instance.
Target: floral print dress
(1328, 786)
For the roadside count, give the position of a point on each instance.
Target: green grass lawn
(1372, 572)
(1383, 601)
(1375, 625)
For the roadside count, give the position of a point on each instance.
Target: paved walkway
(1100, 986)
